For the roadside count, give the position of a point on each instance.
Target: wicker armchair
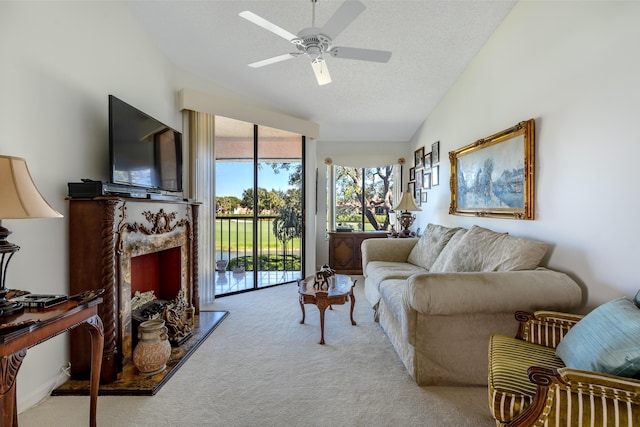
(530, 386)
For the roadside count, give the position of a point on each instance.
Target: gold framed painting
(494, 176)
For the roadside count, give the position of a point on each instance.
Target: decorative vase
(221, 265)
(153, 349)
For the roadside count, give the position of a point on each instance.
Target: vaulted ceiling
(432, 42)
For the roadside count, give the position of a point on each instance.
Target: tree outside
(364, 191)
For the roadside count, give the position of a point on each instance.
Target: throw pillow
(482, 249)
(605, 340)
(446, 253)
(471, 250)
(431, 243)
(510, 253)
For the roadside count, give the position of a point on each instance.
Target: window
(363, 197)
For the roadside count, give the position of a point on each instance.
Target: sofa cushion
(481, 249)
(510, 391)
(377, 271)
(447, 251)
(605, 340)
(431, 243)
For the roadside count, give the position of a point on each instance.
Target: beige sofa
(439, 298)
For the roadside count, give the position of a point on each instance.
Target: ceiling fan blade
(360, 54)
(341, 19)
(321, 71)
(273, 60)
(252, 17)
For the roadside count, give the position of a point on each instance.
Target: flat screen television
(142, 151)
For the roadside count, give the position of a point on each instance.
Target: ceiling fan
(315, 42)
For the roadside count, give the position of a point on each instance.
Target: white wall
(573, 67)
(59, 61)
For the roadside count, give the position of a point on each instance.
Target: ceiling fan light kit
(314, 42)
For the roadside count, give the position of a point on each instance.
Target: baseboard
(40, 393)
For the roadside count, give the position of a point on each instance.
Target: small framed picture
(412, 174)
(426, 180)
(411, 187)
(435, 152)
(435, 175)
(423, 197)
(416, 195)
(419, 178)
(427, 161)
(418, 157)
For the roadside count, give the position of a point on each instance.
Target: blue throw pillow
(607, 340)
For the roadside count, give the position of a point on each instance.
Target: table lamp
(407, 205)
(19, 199)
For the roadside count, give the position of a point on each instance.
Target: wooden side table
(339, 291)
(34, 326)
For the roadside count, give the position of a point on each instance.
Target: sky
(234, 177)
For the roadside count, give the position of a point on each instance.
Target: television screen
(143, 152)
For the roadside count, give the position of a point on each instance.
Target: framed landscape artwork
(418, 157)
(494, 176)
(435, 175)
(435, 152)
(426, 181)
(427, 161)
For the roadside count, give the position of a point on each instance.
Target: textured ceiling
(432, 43)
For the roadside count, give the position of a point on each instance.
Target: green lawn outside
(240, 232)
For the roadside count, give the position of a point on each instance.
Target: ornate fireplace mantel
(105, 233)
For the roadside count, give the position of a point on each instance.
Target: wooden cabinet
(345, 256)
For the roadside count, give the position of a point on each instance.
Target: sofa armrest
(569, 394)
(545, 328)
(394, 250)
(491, 292)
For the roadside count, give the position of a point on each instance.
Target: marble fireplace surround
(158, 242)
(105, 235)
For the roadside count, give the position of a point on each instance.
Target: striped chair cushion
(510, 391)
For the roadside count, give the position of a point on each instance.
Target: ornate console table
(35, 326)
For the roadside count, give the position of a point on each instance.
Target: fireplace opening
(157, 293)
(158, 272)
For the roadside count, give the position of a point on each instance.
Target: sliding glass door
(259, 206)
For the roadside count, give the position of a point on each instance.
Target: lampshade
(407, 203)
(19, 197)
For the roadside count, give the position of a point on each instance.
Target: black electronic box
(88, 189)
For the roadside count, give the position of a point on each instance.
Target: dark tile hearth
(131, 383)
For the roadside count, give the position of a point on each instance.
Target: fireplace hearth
(131, 383)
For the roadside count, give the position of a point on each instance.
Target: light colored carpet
(261, 367)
